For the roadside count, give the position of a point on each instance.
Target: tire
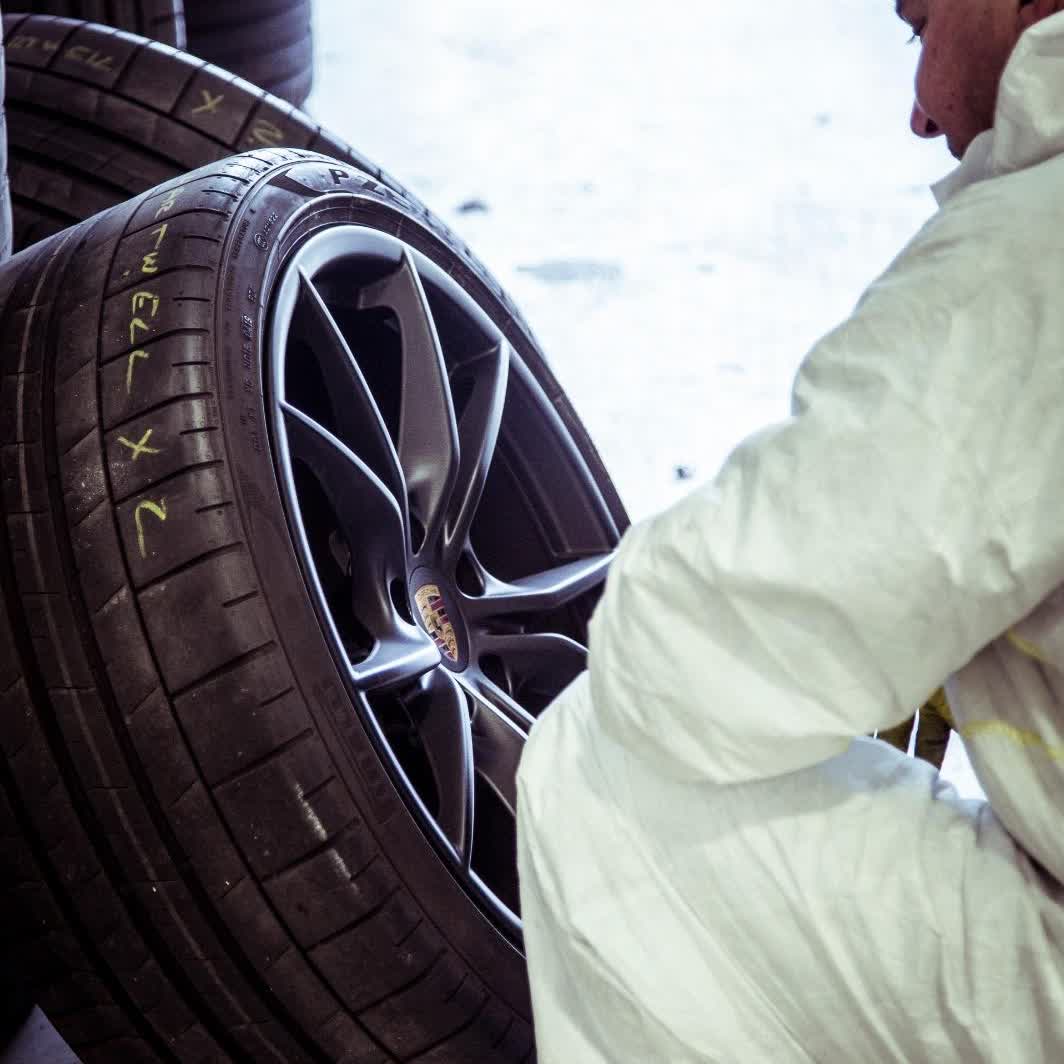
(6, 223)
(16, 1004)
(161, 20)
(209, 854)
(96, 117)
(268, 42)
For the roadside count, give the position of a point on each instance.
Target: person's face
(965, 45)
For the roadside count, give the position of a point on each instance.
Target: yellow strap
(1024, 646)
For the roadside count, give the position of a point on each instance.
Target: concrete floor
(38, 1043)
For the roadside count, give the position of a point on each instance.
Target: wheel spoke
(536, 651)
(497, 741)
(399, 655)
(428, 434)
(478, 432)
(540, 593)
(538, 663)
(359, 420)
(481, 689)
(440, 711)
(368, 514)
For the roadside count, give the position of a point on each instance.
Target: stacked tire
(299, 535)
(267, 42)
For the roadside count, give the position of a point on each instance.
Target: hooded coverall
(716, 863)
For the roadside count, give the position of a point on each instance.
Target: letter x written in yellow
(210, 103)
(140, 447)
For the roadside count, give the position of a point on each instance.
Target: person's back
(712, 866)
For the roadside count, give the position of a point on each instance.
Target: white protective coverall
(713, 867)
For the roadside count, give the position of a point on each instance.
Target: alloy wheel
(440, 509)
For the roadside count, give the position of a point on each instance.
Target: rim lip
(327, 249)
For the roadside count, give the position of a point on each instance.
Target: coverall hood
(712, 866)
(1029, 118)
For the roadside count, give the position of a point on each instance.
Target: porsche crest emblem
(434, 613)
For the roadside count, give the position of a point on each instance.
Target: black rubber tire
(84, 137)
(269, 42)
(161, 20)
(6, 224)
(16, 1003)
(159, 700)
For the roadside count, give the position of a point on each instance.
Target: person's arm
(845, 562)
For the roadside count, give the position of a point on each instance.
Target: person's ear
(1035, 11)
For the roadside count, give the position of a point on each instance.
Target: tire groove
(233, 663)
(458, 1031)
(108, 136)
(162, 481)
(183, 331)
(276, 698)
(50, 213)
(354, 924)
(228, 605)
(159, 274)
(80, 439)
(26, 153)
(163, 404)
(190, 210)
(265, 759)
(404, 987)
(190, 563)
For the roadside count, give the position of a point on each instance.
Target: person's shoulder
(1024, 204)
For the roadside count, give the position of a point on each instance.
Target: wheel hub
(436, 609)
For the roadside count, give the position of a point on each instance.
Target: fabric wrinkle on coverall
(716, 863)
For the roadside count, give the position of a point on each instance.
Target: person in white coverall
(716, 863)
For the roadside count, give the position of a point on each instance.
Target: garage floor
(681, 203)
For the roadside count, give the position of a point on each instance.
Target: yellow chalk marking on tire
(81, 53)
(210, 103)
(133, 356)
(156, 510)
(140, 447)
(139, 300)
(149, 264)
(168, 203)
(266, 134)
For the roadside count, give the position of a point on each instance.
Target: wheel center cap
(437, 622)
